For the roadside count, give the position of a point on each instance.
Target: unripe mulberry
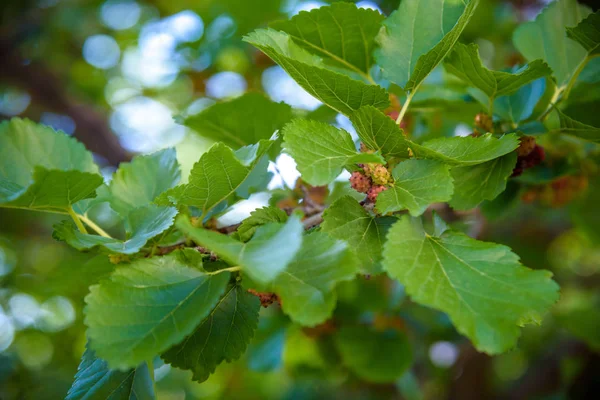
(381, 175)
(526, 146)
(484, 121)
(360, 182)
(374, 192)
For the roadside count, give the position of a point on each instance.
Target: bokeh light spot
(101, 51)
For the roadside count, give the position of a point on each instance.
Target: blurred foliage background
(113, 73)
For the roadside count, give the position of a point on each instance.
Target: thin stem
(553, 102)
(405, 106)
(573, 79)
(78, 222)
(93, 225)
(230, 269)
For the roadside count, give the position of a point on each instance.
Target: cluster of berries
(529, 154)
(372, 180)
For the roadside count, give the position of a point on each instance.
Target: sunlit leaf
(336, 90)
(242, 121)
(380, 132)
(347, 220)
(416, 38)
(473, 184)
(265, 256)
(41, 169)
(482, 286)
(417, 184)
(142, 224)
(139, 182)
(321, 150)
(342, 33)
(222, 336)
(148, 306)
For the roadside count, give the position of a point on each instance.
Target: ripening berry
(380, 175)
(526, 146)
(484, 122)
(394, 114)
(360, 182)
(365, 149)
(535, 157)
(374, 192)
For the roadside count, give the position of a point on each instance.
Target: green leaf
(139, 182)
(216, 176)
(569, 126)
(265, 256)
(374, 356)
(464, 62)
(347, 220)
(94, 380)
(380, 132)
(142, 224)
(587, 33)
(222, 336)
(482, 286)
(338, 91)
(466, 150)
(306, 286)
(474, 184)
(257, 218)
(148, 306)
(341, 32)
(42, 169)
(534, 38)
(521, 105)
(417, 184)
(416, 38)
(321, 150)
(242, 121)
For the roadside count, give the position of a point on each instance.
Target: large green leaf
(42, 169)
(257, 218)
(142, 224)
(321, 150)
(482, 286)
(545, 38)
(473, 184)
(569, 126)
(306, 286)
(147, 307)
(587, 33)
(222, 336)
(338, 91)
(464, 62)
(242, 121)
(347, 220)
(378, 357)
(342, 33)
(379, 132)
(94, 380)
(265, 256)
(466, 150)
(216, 176)
(417, 184)
(416, 38)
(139, 182)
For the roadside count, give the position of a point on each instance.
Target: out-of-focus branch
(46, 88)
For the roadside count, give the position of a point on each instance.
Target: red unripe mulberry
(360, 182)
(374, 192)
